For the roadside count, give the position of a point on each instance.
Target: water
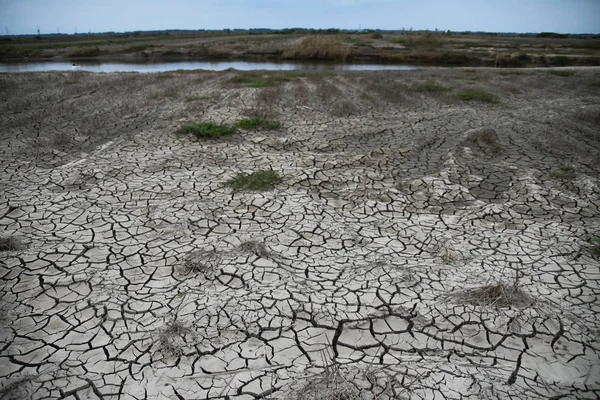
(191, 65)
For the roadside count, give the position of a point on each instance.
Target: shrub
(377, 35)
(319, 48)
(206, 130)
(430, 87)
(261, 180)
(478, 95)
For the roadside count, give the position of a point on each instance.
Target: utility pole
(7, 33)
(38, 30)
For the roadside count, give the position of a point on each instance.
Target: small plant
(17, 389)
(319, 47)
(478, 95)
(562, 72)
(595, 249)
(496, 295)
(262, 180)
(431, 87)
(564, 173)
(257, 123)
(206, 130)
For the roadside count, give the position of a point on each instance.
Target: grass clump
(257, 123)
(478, 95)
(495, 295)
(206, 130)
(564, 173)
(258, 181)
(319, 47)
(485, 140)
(562, 72)
(431, 87)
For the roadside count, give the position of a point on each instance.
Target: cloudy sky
(69, 16)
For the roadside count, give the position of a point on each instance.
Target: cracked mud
(417, 247)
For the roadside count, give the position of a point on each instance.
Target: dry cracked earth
(418, 247)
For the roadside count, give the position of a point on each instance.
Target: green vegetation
(478, 95)
(319, 48)
(257, 123)
(11, 51)
(93, 52)
(261, 180)
(523, 59)
(595, 84)
(562, 72)
(564, 173)
(430, 87)
(595, 245)
(206, 130)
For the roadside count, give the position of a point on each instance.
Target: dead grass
(16, 389)
(486, 140)
(495, 295)
(9, 243)
(172, 337)
(256, 248)
(319, 47)
(201, 261)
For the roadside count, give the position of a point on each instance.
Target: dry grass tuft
(9, 244)
(200, 261)
(496, 295)
(172, 337)
(486, 140)
(17, 389)
(253, 247)
(319, 48)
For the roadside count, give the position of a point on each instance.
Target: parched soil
(417, 246)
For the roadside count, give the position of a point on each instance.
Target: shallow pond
(191, 65)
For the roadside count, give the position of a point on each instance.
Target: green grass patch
(562, 72)
(257, 123)
(206, 130)
(259, 181)
(564, 173)
(478, 95)
(595, 84)
(431, 87)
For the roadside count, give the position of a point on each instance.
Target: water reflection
(191, 65)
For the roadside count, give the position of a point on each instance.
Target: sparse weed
(201, 261)
(486, 140)
(257, 123)
(206, 130)
(172, 337)
(9, 243)
(259, 181)
(478, 95)
(564, 173)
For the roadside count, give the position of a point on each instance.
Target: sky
(71, 16)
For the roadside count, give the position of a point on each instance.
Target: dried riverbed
(419, 246)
